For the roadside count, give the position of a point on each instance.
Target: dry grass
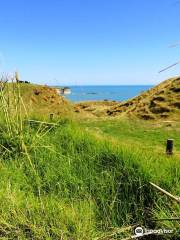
(161, 101)
(41, 101)
(93, 108)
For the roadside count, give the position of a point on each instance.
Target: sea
(97, 93)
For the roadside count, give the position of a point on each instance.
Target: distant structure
(18, 80)
(65, 90)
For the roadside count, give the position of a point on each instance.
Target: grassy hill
(162, 101)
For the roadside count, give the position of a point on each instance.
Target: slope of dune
(161, 101)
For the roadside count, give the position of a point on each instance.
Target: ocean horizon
(119, 93)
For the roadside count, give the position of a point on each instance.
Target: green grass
(76, 187)
(133, 133)
(148, 141)
(68, 182)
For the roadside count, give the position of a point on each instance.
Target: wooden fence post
(169, 146)
(51, 116)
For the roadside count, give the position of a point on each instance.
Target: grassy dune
(38, 101)
(82, 181)
(159, 102)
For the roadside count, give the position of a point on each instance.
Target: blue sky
(86, 42)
